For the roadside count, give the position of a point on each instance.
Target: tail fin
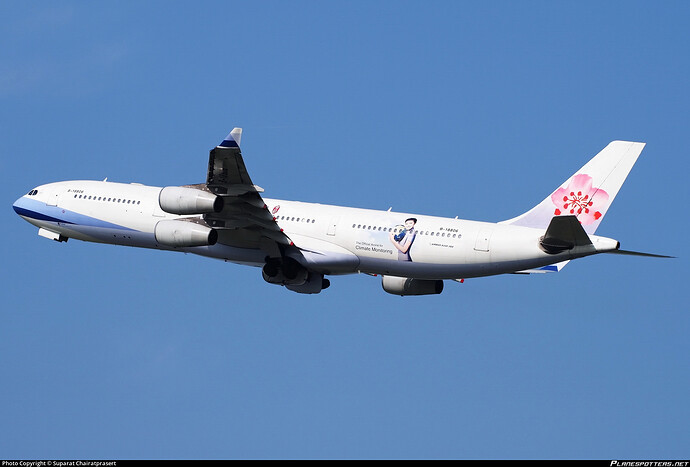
(589, 192)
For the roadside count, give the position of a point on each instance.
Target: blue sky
(477, 110)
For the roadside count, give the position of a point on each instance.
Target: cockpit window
(33, 193)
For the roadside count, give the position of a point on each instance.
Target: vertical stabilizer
(589, 192)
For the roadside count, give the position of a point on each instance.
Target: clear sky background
(478, 110)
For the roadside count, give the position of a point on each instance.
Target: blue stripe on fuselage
(38, 210)
(36, 215)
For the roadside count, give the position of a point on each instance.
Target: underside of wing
(244, 221)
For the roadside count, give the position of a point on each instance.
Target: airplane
(297, 244)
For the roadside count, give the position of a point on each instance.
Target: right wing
(245, 220)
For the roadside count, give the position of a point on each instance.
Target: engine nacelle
(315, 283)
(184, 234)
(181, 200)
(406, 286)
(284, 271)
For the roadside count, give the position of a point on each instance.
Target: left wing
(245, 220)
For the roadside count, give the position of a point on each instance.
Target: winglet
(233, 139)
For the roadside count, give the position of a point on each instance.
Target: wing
(245, 220)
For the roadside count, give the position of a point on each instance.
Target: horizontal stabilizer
(545, 269)
(564, 233)
(638, 253)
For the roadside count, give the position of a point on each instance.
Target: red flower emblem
(275, 209)
(579, 198)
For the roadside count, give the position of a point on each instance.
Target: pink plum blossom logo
(581, 199)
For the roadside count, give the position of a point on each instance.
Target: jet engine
(290, 273)
(315, 283)
(284, 271)
(184, 234)
(181, 200)
(406, 286)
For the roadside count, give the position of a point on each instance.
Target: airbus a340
(297, 244)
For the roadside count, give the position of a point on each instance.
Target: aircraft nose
(19, 206)
(15, 206)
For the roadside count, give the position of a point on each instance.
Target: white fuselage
(332, 239)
